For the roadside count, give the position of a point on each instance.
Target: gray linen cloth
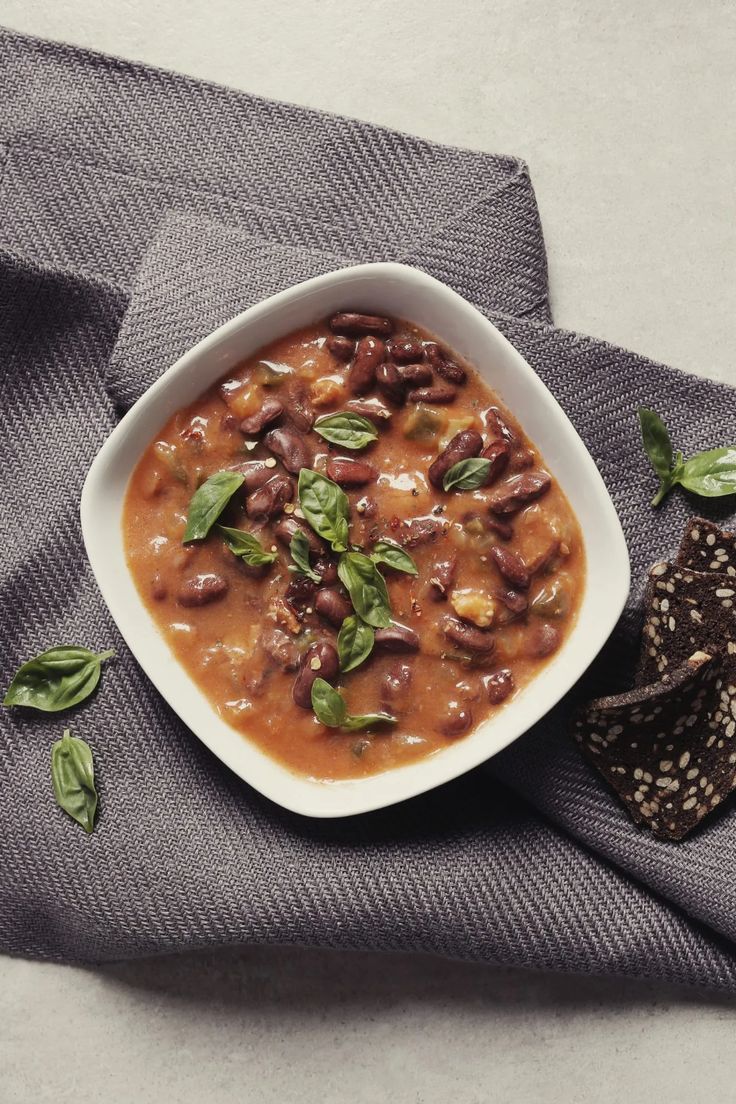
(139, 210)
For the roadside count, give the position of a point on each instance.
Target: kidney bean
(511, 566)
(299, 411)
(463, 446)
(515, 602)
(544, 560)
(326, 568)
(499, 685)
(405, 349)
(269, 412)
(159, 590)
(469, 637)
(499, 454)
(350, 473)
(369, 353)
(418, 531)
(442, 576)
(497, 426)
(521, 460)
(415, 375)
(389, 382)
(439, 393)
(370, 408)
(280, 648)
(200, 590)
(456, 722)
(502, 529)
(269, 499)
(290, 447)
(300, 591)
(544, 640)
(333, 605)
(342, 348)
(442, 365)
(256, 473)
(229, 421)
(288, 526)
(326, 665)
(355, 325)
(396, 686)
(519, 491)
(397, 638)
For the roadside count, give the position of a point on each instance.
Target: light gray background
(625, 113)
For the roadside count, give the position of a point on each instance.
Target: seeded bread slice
(705, 547)
(667, 749)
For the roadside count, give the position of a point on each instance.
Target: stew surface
(499, 557)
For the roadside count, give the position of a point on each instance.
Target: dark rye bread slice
(668, 750)
(685, 611)
(705, 547)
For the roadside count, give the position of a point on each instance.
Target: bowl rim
(296, 792)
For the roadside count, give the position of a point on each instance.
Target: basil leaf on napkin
(208, 502)
(330, 710)
(656, 441)
(354, 643)
(351, 431)
(467, 475)
(710, 474)
(393, 555)
(57, 679)
(367, 588)
(299, 548)
(73, 777)
(326, 508)
(246, 547)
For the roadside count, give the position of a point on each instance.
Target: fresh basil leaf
(656, 440)
(208, 502)
(393, 555)
(467, 475)
(56, 679)
(367, 720)
(710, 474)
(326, 508)
(354, 643)
(351, 431)
(329, 707)
(246, 547)
(367, 588)
(73, 777)
(299, 548)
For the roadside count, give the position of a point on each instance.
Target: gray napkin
(98, 155)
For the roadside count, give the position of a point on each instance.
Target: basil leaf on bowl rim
(391, 554)
(208, 502)
(325, 506)
(299, 548)
(246, 547)
(351, 431)
(367, 588)
(467, 475)
(354, 643)
(73, 779)
(330, 710)
(56, 679)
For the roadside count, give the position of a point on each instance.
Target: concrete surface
(624, 112)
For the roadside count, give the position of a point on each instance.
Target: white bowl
(406, 293)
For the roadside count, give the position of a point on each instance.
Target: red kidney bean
(545, 559)
(469, 637)
(511, 566)
(201, 590)
(544, 640)
(439, 393)
(515, 602)
(288, 526)
(389, 382)
(464, 445)
(502, 529)
(442, 365)
(326, 568)
(355, 325)
(456, 722)
(415, 375)
(290, 447)
(397, 638)
(519, 491)
(326, 666)
(370, 408)
(229, 421)
(442, 576)
(269, 499)
(333, 605)
(350, 473)
(497, 426)
(521, 460)
(269, 412)
(280, 648)
(418, 531)
(499, 685)
(256, 473)
(159, 590)
(342, 348)
(369, 353)
(299, 411)
(396, 686)
(300, 592)
(499, 454)
(405, 349)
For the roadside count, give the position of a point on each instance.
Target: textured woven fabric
(139, 210)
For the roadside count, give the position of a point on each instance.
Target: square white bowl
(405, 293)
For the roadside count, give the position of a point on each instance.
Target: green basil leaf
(351, 431)
(656, 440)
(710, 474)
(73, 777)
(246, 547)
(299, 548)
(354, 643)
(393, 555)
(326, 508)
(56, 679)
(367, 720)
(367, 588)
(467, 475)
(208, 502)
(328, 706)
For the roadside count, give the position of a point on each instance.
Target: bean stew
(352, 547)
